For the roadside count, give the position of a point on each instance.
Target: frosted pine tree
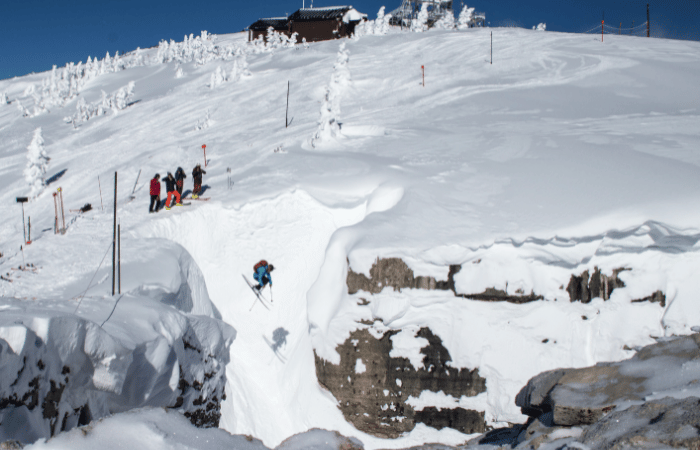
(271, 39)
(37, 164)
(420, 23)
(122, 97)
(379, 22)
(217, 78)
(179, 73)
(541, 27)
(328, 125)
(466, 18)
(447, 21)
(3, 98)
(294, 40)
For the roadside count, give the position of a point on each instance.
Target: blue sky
(35, 34)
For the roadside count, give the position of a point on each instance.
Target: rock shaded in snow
(60, 371)
(668, 421)
(374, 401)
(584, 396)
(395, 273)
(584, 288)
(656, 297)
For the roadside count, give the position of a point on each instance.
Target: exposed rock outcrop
(584, 396)
(584, 288)
(657, 297)
(372, 387)
(393, 272)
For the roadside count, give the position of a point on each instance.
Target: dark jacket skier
(262, 274)
(197, 173)
(180, 179)
(155, 194)
(171, 187)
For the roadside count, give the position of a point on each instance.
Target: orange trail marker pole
(422, 68)
(602, 30)
(204, 148)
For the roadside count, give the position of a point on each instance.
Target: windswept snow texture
(566, 154)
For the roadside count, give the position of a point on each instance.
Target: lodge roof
(329, 12)
(278, 23)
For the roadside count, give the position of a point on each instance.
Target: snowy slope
(564, 155)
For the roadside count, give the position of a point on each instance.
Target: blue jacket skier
(262, 274)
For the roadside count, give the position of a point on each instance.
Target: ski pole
(270, 292)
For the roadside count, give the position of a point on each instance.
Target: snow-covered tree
(466, 18)
(447, 21)
(22, 109)
(541, 27)
(328, 125)
(294, 39)
(379, 23)
(420, 23)
(122, 97)
(217, 78)
(179, 73)
(304, 43)
(240, 69)
(3, 98)
(272, 39)
(37, 164)
(116, 102)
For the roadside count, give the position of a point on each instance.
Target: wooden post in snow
(286, 114)
(114, 237)
(647, 19)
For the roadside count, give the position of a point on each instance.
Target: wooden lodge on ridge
(312, 24)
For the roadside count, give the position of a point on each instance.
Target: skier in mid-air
(262, 274)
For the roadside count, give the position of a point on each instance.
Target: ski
(257, 294)
(202, 199)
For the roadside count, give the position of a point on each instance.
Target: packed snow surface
(565, 154)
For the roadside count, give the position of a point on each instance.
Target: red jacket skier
(155, 194)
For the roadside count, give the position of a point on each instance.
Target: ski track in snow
(563, 155)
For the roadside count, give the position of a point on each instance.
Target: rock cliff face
(372, 387)
(649, 401)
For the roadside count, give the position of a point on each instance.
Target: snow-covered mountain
(466, 225)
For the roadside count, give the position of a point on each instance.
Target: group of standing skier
(173, 187)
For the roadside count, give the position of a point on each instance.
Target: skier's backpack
(260, 264)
